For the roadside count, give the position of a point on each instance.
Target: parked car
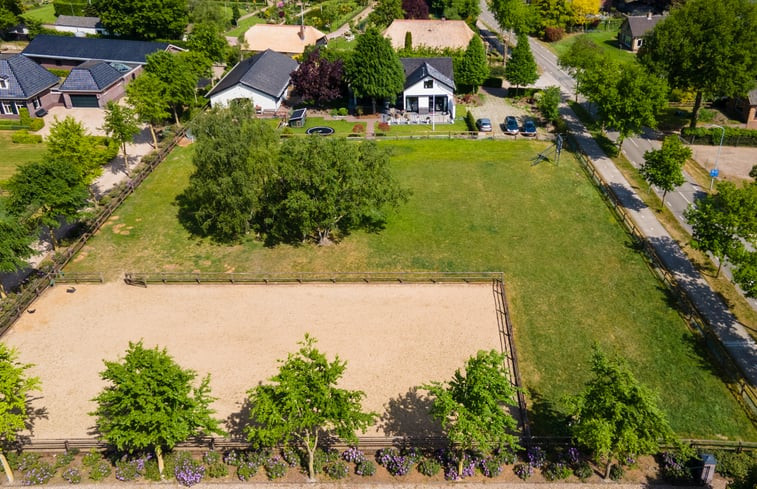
(529, 128)
(511, 125)
(484, 125)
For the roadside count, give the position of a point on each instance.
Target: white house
(80, 26)
(429, 89)
(263, 78)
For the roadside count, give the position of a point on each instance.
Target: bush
(72, 475)
(706, 115)
(384, 127)
(275, 468)
(583, 471)
(358, 129)
(36, 124)
(290, 456)
(524, 471)
(38, 474)
(212, 457)
(497, 71)
(343, 111)
(99, 470)
(490, 467)
(64, 459)
(555, 471)
(23, 137)
(218, 470)
(674, 466)
(616, 472)
(733, 136)
(734, 465)
(429, 466)
(188, 471)
(127, 470)
(470, 121)
(366, 468)
(24, 117)
(395, 463)
(553, 34)
(337, 470)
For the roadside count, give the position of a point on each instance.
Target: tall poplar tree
(374, 70)
(473, 69)
(521, 70)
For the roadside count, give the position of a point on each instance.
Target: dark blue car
(529, 128)
(511, 125)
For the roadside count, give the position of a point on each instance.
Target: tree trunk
(53, 241)
(7, 468)
(607, 468)
(720, 265)
(695, 110)
(176, 115)
(460, 465)
(3, 295)
(664, 193)
(154, 136)
(373, 103)
(311, 448)
(159, 456)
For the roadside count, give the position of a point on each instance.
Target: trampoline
(321, 130)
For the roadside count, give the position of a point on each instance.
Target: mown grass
(14, 155)
(243, 25)
(44, 14)
(573, 275)
(424, 129)
(341, 127)
(607, 40)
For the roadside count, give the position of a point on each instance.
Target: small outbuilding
(298, 118)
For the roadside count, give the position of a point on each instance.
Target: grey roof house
(80, 26)
(65, 51)
(93, 84)
(24, 84)
(263, 78)
(634, 27)
(429, 93)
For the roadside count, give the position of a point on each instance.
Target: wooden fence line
(14, 308)
(143, 278)
(743, 391)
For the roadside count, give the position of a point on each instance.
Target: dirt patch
(393, 337)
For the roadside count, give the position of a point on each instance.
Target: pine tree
(521, 70)
(473, 69)
(374, 70)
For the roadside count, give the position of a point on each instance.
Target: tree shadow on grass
(545, 418)
(408, 416)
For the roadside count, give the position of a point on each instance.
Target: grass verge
(14, 155)
(574, 276)
(607, 40)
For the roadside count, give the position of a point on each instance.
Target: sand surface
(393, 337)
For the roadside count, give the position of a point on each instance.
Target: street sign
(714, 173)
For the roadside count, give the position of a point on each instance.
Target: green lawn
(572, 274)
(44, 14)
(605, 39)
(341, 127)
(425, 129)
(16, 154)
(243, 25)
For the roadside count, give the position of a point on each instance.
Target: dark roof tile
(418, 68)
(266, 72)
(86, 48)
(24, 77)
(92, 76)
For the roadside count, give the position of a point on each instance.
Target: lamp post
(714, 173)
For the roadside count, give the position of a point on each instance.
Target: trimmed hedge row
(734, 136)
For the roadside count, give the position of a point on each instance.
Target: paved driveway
(495, 107)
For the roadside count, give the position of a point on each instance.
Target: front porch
(396, 116)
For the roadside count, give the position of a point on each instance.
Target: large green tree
(46, 192)
(550, 14)
(144, 19)
(521, 70)
(473, 69)
(664, 167)
(178, 74)
(303, 403)
(720, 221)
(70, 143)
(386, 11)
(374, 70)
(707, 46)
(144, 95)
(326, 187)
(511, 15)
(15, 246)
(150, 403)
(234, 155)
(581, 59)
(15, 385)
(472, 407)
(615, 415)
(121, 125)
(207, 38)
(10, 11)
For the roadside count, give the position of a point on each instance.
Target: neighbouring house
(746, 108)
(80, 26)
(633, 28)
(24, 84)
(288, 39)
(428, 93)
(65, 52)
(94, 83)
(263, 78)
(440, 34)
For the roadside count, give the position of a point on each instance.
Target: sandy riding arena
(393, 337)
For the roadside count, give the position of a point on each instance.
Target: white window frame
(3, 83)
(7, 107)
(37, 103)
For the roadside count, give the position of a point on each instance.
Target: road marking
(633, 142)
(684, 198)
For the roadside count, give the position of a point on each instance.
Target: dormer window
(428, 84)
(3, 82)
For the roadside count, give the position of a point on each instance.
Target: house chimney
(302, 32)
(649, 15)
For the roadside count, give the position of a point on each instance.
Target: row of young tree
(150, 404)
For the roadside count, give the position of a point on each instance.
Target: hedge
(24, 137)
(734, 136)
